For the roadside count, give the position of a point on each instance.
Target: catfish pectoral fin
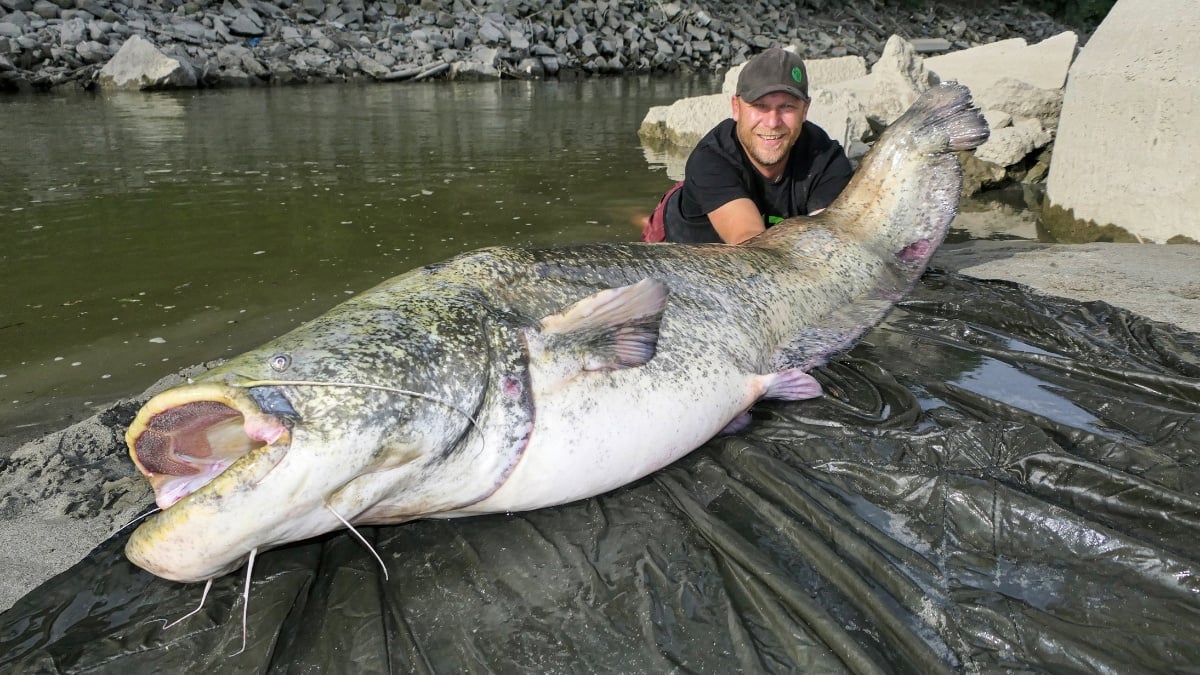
(613, 329)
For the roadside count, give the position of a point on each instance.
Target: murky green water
(142, 234)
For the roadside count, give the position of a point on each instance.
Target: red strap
(656, 228)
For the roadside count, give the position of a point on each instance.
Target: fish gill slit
(359, 385)
(362, 539)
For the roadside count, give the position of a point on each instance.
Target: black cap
(771, 71)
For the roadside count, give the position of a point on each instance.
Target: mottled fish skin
(498, 421)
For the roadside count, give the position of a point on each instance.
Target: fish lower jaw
(169, 492)
(197, 542)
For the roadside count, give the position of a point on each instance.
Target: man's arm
(737, 220)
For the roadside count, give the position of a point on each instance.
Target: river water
(141, 234)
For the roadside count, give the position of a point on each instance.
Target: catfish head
(349, 419)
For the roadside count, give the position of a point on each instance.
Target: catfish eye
(280, 362)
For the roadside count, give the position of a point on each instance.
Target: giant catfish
(508, 379)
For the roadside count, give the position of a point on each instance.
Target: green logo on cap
(798, 75)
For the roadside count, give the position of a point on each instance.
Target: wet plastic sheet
(996, 481)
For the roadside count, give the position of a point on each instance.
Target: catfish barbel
(508, 379)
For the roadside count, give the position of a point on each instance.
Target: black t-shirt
(718, 171)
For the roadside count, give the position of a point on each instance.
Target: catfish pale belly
(508, 379)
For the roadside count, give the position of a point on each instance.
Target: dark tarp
(996, 481)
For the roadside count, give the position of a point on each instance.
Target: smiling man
(764, 164)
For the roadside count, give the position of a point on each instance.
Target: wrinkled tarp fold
(996, 480)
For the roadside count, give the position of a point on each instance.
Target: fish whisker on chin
(246, 599)
(137, 518)
(248, 384)
(203, 597)
(362, 539)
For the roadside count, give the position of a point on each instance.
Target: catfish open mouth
(184, 438)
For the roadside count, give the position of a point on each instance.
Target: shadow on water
(142, 234)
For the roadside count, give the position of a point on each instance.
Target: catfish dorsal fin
(615, 328)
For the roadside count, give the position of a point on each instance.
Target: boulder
(1043, 65)
(90, 51)
(1012, 144)
(139, 65)
(480, 64)
(1021, 100)
(1125, 150)
(684, 122)
(895, 81)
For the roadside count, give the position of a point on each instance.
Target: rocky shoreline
(63, 44)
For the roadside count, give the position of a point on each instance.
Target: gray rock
(236, 77)
(384, 58)
(309, 59)
(17, 19)
(530, 68)
(372, 67)
(17, 5)
(268, 9)
(91, 51)
(222, 30)
(139, 65)
(230, 56)
(323, 43)
(480, 64)
(247, 24)
(489, 34)
(9, 30)
(192, 30)
(46, 9)
(99, 30)
(291, 35)
(518, 41)
(352, 19)
(930, 45)
(71, 33)
(98, 10)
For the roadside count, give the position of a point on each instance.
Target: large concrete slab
(1126, 148)
(1043, 65)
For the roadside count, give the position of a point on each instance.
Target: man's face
(769, 126)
